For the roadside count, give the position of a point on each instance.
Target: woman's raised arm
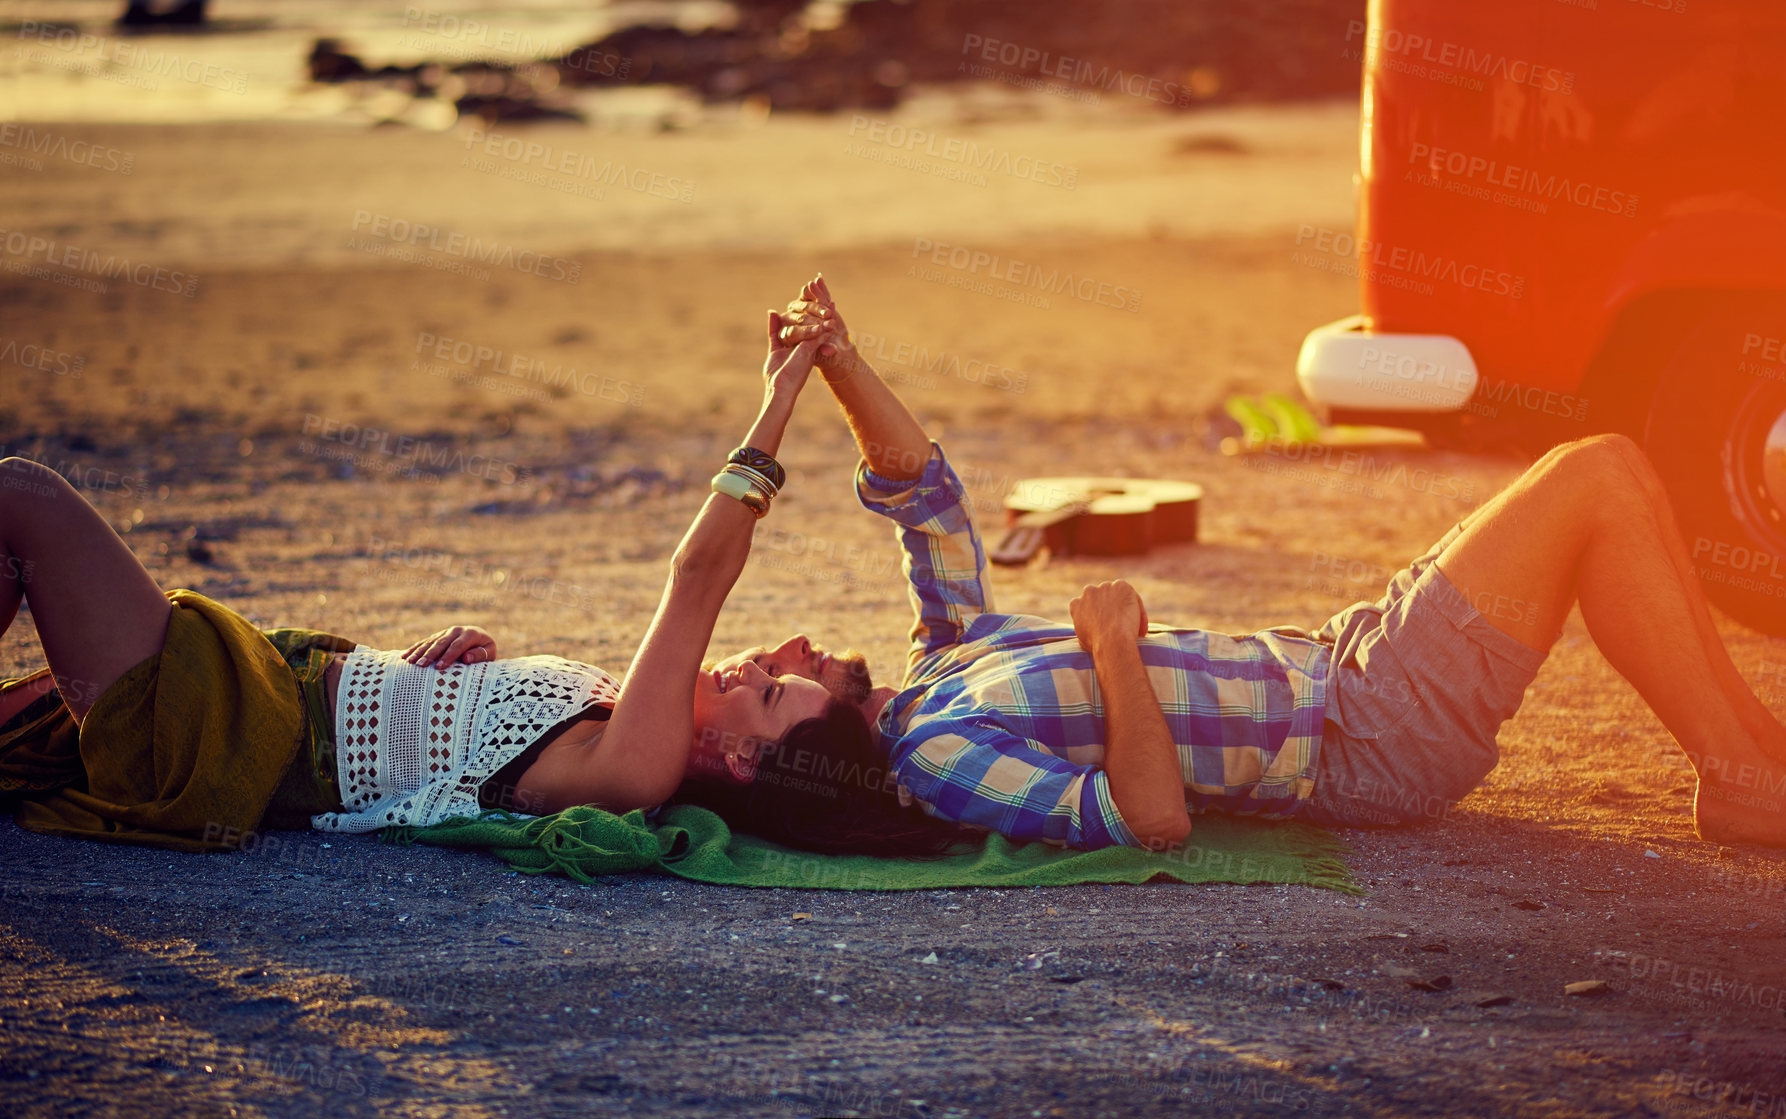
(643, 754)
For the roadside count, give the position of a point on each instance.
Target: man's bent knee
(1642, 465)
(1596, 476)
(1637, 461)
(1599, 461)
(1611, 446)
(1618, 441)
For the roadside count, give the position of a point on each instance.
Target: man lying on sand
(169, 719)
(1112, 730)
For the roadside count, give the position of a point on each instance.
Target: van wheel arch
(1712, 418)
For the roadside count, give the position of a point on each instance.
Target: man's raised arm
(907, 480)
(892, 441)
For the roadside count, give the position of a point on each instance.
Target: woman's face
(844, 675)
(741, 711)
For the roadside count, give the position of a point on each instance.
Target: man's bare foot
(1741, 796)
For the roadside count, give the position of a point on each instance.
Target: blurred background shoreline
(183, 245)
(655, 60)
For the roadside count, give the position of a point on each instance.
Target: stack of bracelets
(752, 477)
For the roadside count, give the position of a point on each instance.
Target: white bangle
(753, 475)
(738, 487)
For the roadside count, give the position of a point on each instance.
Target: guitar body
(1097, 516)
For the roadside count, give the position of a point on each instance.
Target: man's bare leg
(1754, 714)
(1589, 522)
(98, 612)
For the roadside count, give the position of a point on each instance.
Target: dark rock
(330, 63)
(141, 15)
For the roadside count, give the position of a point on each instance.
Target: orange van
(1572, 219)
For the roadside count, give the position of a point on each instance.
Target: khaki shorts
(1419, 687)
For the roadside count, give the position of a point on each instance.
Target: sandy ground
(364, 979)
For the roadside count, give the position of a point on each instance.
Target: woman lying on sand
(169, 719)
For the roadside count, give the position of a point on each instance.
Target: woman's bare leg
(1590, 523)
(98, 612)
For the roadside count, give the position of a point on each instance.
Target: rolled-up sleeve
(944, 561)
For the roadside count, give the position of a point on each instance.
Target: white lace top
(412, 745)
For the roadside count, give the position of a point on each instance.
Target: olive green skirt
(192, 749)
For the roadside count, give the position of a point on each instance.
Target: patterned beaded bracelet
(762, 463)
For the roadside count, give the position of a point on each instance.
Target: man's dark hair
(825, 788)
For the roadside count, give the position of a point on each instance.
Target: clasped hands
(809, 332)
(1102, 613)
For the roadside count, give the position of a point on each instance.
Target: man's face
(844, 675)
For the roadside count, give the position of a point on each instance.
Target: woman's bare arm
(641, 757)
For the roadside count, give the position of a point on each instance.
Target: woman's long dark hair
(825, 788)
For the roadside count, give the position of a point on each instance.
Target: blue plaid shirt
(1000, 724)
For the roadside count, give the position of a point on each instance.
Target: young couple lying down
(166, 718)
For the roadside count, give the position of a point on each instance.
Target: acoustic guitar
(1087, 516)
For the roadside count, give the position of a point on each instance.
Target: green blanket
(693, 843)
